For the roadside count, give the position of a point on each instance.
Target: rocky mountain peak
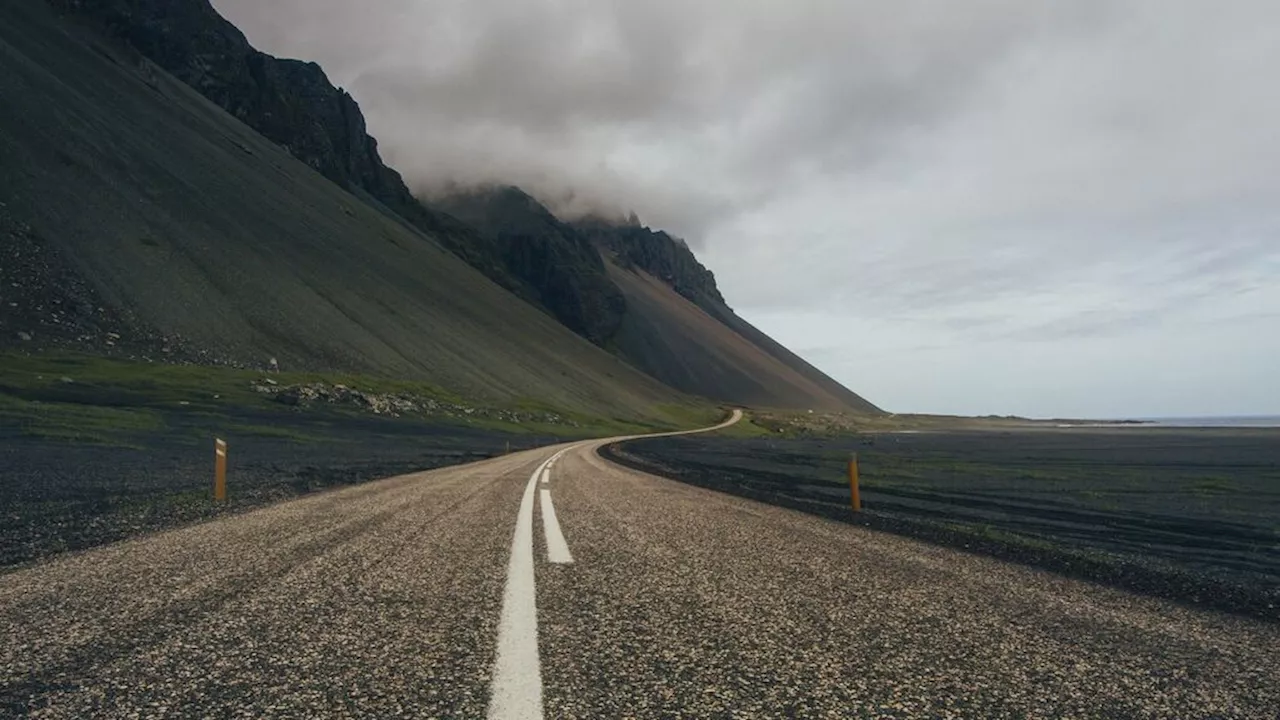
(665, 256)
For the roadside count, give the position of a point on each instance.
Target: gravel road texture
(382, 600)
(1192, 515)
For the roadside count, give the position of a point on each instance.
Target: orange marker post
(855, 498)
(219, 469)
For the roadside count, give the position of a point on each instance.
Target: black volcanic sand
(1192, 515)
(57, 495)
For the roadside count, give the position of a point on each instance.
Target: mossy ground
(93, 399)
(94, 450)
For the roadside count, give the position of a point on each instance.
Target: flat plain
(1190, 514)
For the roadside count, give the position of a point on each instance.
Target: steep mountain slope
(290, 102)
(658, 254)
(673, 323)
(632, 245)
(680, 343)
(191, 227)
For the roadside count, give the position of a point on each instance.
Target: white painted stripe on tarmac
(515, 692)
(546, 475)
(557, 548)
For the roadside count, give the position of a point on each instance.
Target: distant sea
(1241, 421)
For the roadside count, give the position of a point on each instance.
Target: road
(439, 594)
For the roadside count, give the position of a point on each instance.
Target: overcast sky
(990, 206)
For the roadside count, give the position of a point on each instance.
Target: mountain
(559, 263)
(138, 217)
(678, 329)
(668, 258)
(290, 102)
(674, 323)
(245, 211)
(293, 104)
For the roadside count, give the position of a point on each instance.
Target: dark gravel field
(58, 495)
(1191, 515)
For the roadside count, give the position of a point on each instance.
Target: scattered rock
(391, 404)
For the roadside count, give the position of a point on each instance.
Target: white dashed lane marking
(557, 548)
(516, 687)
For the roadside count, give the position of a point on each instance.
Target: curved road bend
(655, 599)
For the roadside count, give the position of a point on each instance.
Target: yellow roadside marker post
(855, 498)
(219, 469)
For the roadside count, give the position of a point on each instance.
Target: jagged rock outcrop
(560, 265)
(661, 255)
(289, 101)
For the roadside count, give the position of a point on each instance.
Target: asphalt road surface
(591, 591)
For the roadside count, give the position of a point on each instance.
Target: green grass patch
(746, 428)
(77, 423)
(103, 381)
(689, 417)
(96, 399)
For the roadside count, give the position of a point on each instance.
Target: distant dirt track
(383, 600)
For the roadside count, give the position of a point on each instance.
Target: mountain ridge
(563, 267)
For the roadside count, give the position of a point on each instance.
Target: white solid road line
(515, 693)
(557, 548)
(546, 475)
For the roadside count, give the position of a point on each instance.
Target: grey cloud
(685, 112)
